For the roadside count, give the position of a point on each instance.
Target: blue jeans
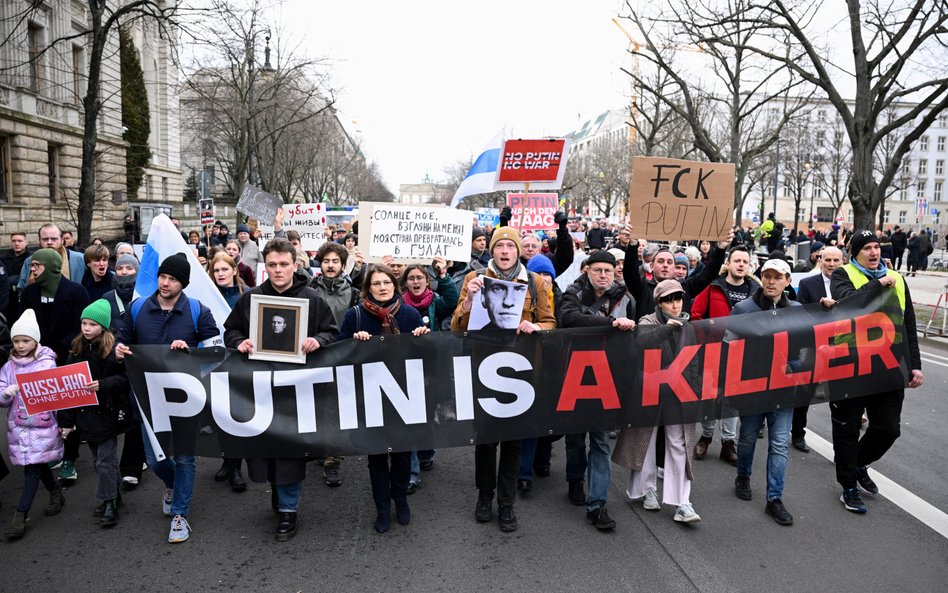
(416, 458)
(288, 497)
(597, 465)
(778, 436)
(176, 472)
(536, 454)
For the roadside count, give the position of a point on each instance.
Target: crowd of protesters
(69, 306)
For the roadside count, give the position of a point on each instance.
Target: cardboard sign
(541, 163)
(414, 234)
(674, 200)
(206, 210)
(309, 220)
(56, 389)
(256, 203)
(488, 217)
(533, 212)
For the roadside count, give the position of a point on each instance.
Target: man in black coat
(286, 475)
(814, 289)
(899, 242)
(12, 263)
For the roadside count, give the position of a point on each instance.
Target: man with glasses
(595, 299)
(73, 264)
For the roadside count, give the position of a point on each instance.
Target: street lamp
(806, 168)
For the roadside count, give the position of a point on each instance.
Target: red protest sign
(56, 389)
(532, 212)
(533, 161)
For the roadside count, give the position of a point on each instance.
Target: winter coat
(632, 443)
(339, 293)
(712, 302)
(77, 269)
(155, 326)
(32, 439)
(58, 321)
(99, 423)
(643, 290)
(577, 306)
(231, 294)
(359, 319)
(443, 305)
(96, 289)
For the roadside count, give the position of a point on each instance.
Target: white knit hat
(27, 326)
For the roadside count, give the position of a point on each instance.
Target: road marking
(926, 353)
(907, 501)
(935, 362)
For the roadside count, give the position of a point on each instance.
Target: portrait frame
(486, 318)
(295, 316)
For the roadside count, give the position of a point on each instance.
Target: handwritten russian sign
(532, 212)
(309, 220)
(679, 200)
(256, 203)
(414, 234)
(56, 389)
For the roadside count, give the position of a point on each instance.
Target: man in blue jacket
(51, 237)
(166, 317)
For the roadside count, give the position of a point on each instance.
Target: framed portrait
(278, 327)
(498, 306)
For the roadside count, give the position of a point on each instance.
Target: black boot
(110, 514)
(381, 491)
(237, 483)
(224, 472)
(17, 526)
(286, 528)
(56, 502)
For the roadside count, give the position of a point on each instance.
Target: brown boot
(729, 452)
(56, 502)
(17, 527)
(701, 447)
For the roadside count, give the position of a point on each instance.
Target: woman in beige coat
(635, 447)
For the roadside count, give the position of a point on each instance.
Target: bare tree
(601, 174)
(834, 165)
(455, 174)
(99, 35)
(798, 151)
(737, 116)
(898, 55)
(887, 150)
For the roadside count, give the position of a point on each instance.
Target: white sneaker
(686, 514)
(180, 530)
(166, 499)
(130, 480)
(650, 502)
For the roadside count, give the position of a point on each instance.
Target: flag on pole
(483, 174)
(164, 240)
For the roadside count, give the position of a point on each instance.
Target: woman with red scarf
(381, 313)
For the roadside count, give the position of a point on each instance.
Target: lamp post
(807, 167)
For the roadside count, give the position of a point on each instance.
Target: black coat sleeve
(572, 313)
(695, 284)
(633, 280)
(563, 256)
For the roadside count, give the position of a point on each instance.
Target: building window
(825, 213)
(5, 187)
(936, 191)
(164, 188)
(34, 44)
(821, 116)
(921, 188)
(922, 166)
(941, 144)
(923, 143)
(940, 167)
(78, 69)
(885, 217)
(943, 120)
(52, 170)
(902, 216)
(903, 193)
(906, 167)
(817, 192)
(820, 138)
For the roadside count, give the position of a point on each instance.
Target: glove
(11, 390)
(505, 215)
(560, 219)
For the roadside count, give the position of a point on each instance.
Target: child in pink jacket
(34, 441)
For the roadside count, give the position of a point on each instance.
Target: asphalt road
(736, 547)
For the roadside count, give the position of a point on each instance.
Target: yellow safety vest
(859, 279)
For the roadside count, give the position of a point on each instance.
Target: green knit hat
(100, 311)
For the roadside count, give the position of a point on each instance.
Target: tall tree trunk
(91, 106)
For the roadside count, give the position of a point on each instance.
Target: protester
(899, 242)
(13, 261)
(717, 300)
(381, 313)
(98, 277)
(814, 289)
(249, 252)
(775, 275)
(853, 455)
(595, 299)
(167, 316)
(247, 273)
(100, 425)
(223, 271)
(536, 315)
(33, 441)
(636, 447)
(285, 475)
(72, 264)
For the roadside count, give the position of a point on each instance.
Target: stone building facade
(42, 82)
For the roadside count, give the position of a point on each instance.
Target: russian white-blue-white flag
(483, 174)
(165, 240)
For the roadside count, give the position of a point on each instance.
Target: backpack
(195, 304)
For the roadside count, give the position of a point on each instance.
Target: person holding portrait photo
(283, 280)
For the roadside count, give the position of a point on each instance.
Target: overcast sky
(427, 83)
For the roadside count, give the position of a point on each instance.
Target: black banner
(397, 393)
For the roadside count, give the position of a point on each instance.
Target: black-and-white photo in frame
(279, 328)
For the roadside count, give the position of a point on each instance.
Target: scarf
(871, 274)
(509, 277)
(124, 287)
(664, 317)
(421, 302)
(385, 314)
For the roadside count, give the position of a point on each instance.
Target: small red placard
(531, 161)
(56, 389)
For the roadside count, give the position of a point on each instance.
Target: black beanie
(177, 266)
(861, 239)
(477, 233)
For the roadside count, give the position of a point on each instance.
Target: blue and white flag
(165, 240)
(482, 177)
